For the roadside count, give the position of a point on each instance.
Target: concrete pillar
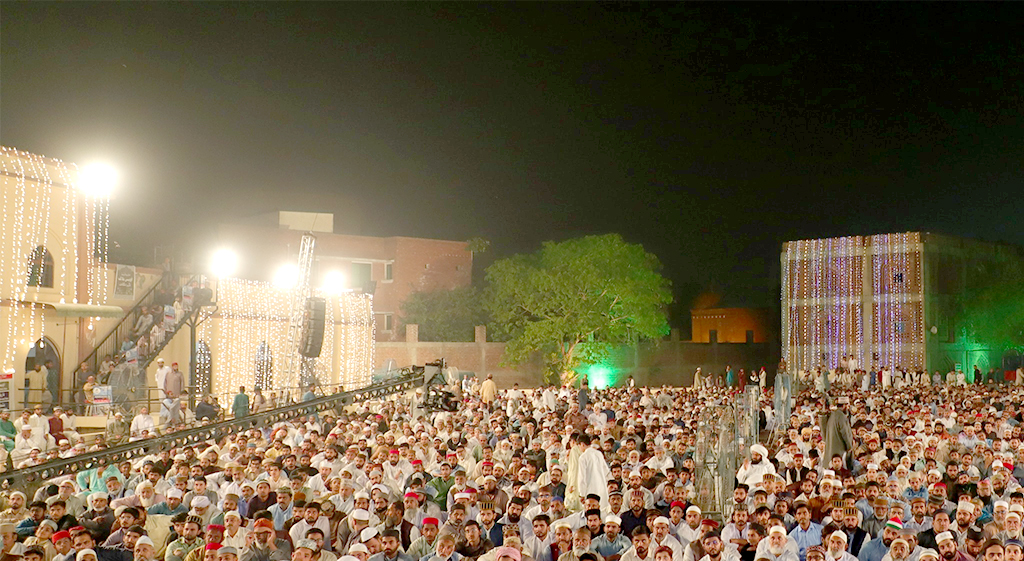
(412, 339)
(480, 338)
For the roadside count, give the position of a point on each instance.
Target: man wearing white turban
(756, 467)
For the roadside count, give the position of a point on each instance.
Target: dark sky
(710, 133)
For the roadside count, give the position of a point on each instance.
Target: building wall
(416, 264)
(890, 300)
(668, 362)
(730, 325)
(44, 205)
(859, 296)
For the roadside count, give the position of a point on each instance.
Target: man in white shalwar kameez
(592, 472)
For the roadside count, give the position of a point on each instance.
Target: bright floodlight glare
(98, 180)
(287, 276)
(334, 282)
(224, 263)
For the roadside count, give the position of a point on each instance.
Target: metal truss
(32, 477)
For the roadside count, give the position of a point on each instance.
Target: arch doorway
(44, 353)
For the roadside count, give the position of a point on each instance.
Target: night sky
(710, 133)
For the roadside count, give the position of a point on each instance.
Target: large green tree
(445, 315)
(573, 300)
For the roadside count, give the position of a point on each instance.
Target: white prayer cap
(357, 548)
(81, 554)
(838, 534)
(368, 534)
(360, 514)
(174, 493)
(928, 553)
(360, 495)
(693, 508)
(612, 519)
(998, 504)
(661, 520)
(943, 536)
(777, 530)
(145, 540)
(200, 501)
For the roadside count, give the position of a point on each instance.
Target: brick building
(390, 268)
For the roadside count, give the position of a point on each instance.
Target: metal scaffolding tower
(297, 369)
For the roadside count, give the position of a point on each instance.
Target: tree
(445, 315)
(574, 300)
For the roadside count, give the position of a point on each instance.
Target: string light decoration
(42, 204)
(825, 301)
(251, 313)
(822, 307)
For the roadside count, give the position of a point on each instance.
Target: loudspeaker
(313, 327)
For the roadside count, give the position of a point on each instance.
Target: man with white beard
(775, 547)
(837, 548)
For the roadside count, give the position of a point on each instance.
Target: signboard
(102, 395)
(959, 367)
(124, 282)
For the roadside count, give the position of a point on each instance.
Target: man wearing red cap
(424, 545)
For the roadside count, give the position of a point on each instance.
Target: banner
(169, 318)
(102, 395)
(131, 356)
(5, 390)
(186, 298)
(124, 282)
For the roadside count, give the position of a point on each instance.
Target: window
(897, 277)
(389, 274)
(40, 268)
(362, 274)
(389, 324)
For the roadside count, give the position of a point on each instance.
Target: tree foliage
(574, 300)
(445, 315)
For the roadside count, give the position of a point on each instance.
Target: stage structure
(887, 300)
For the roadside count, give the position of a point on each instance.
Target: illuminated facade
(247, 338)
(56, 289)
(886, 300)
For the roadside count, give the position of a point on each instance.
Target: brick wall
(668, 362)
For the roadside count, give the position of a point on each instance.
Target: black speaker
(313, 327)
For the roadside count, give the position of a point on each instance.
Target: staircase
(111, 344)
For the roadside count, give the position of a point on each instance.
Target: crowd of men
(918, 472)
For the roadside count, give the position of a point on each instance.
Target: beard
(949, 555)
(513, 518)
(147, 502)
(776, 549)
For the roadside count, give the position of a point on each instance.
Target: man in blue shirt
(876, 549)
(611, 544)
(806, 533)
(282, 509)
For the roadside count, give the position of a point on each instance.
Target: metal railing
(111, 344)
(28, 479)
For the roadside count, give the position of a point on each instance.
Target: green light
(600, 376)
